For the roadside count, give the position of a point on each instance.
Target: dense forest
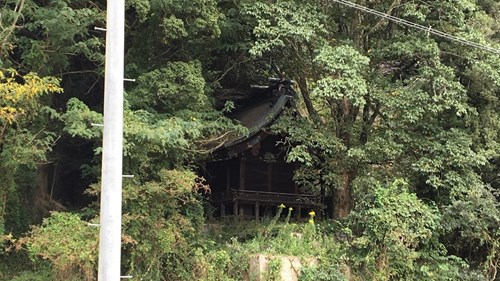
(399, 126)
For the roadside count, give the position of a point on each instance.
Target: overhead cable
(427, 29)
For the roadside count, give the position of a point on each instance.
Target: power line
(418, 26)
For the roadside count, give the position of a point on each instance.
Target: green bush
(395, 237)
(284, 238)
(68, 243)
(43, 273)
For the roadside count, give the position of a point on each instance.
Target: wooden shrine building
(250, 177)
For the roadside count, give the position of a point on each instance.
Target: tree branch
(17, 9)
(307, 99)
(381, 21)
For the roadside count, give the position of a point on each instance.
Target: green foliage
(393, 102)
(378, 101)
(473, 221)
(163, 223)
(283, 24)
(277, 238)
(65, 26)
(214, 263)
(172, 30)
(78, 119)
(196, 17)
(24, 138)
(286, 238)
(44, 38)
(67, 242)
(39, 275)
(273, 269)
(395, 237)
(342, 75)
(155, 139)
(161, 235)
(168, 89)
(160, 218)
(327, 270)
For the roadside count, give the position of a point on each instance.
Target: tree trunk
(307, 99)
(42, 180)
(3, 204)
(342, 197)
(43, 201)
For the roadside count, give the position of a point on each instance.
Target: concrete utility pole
(112, 153)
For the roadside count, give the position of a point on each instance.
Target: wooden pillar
(269, 176)
(235, 209)
(257, 207)
(228, 177)
(299, 210)
(222, 210)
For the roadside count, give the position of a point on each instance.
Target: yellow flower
(290, 209)
(311, 221)
(281, 206)
(312, 214)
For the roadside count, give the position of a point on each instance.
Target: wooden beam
(257, 207)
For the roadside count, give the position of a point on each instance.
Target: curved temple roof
(257, 115)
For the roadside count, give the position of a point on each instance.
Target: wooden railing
(264, 197)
